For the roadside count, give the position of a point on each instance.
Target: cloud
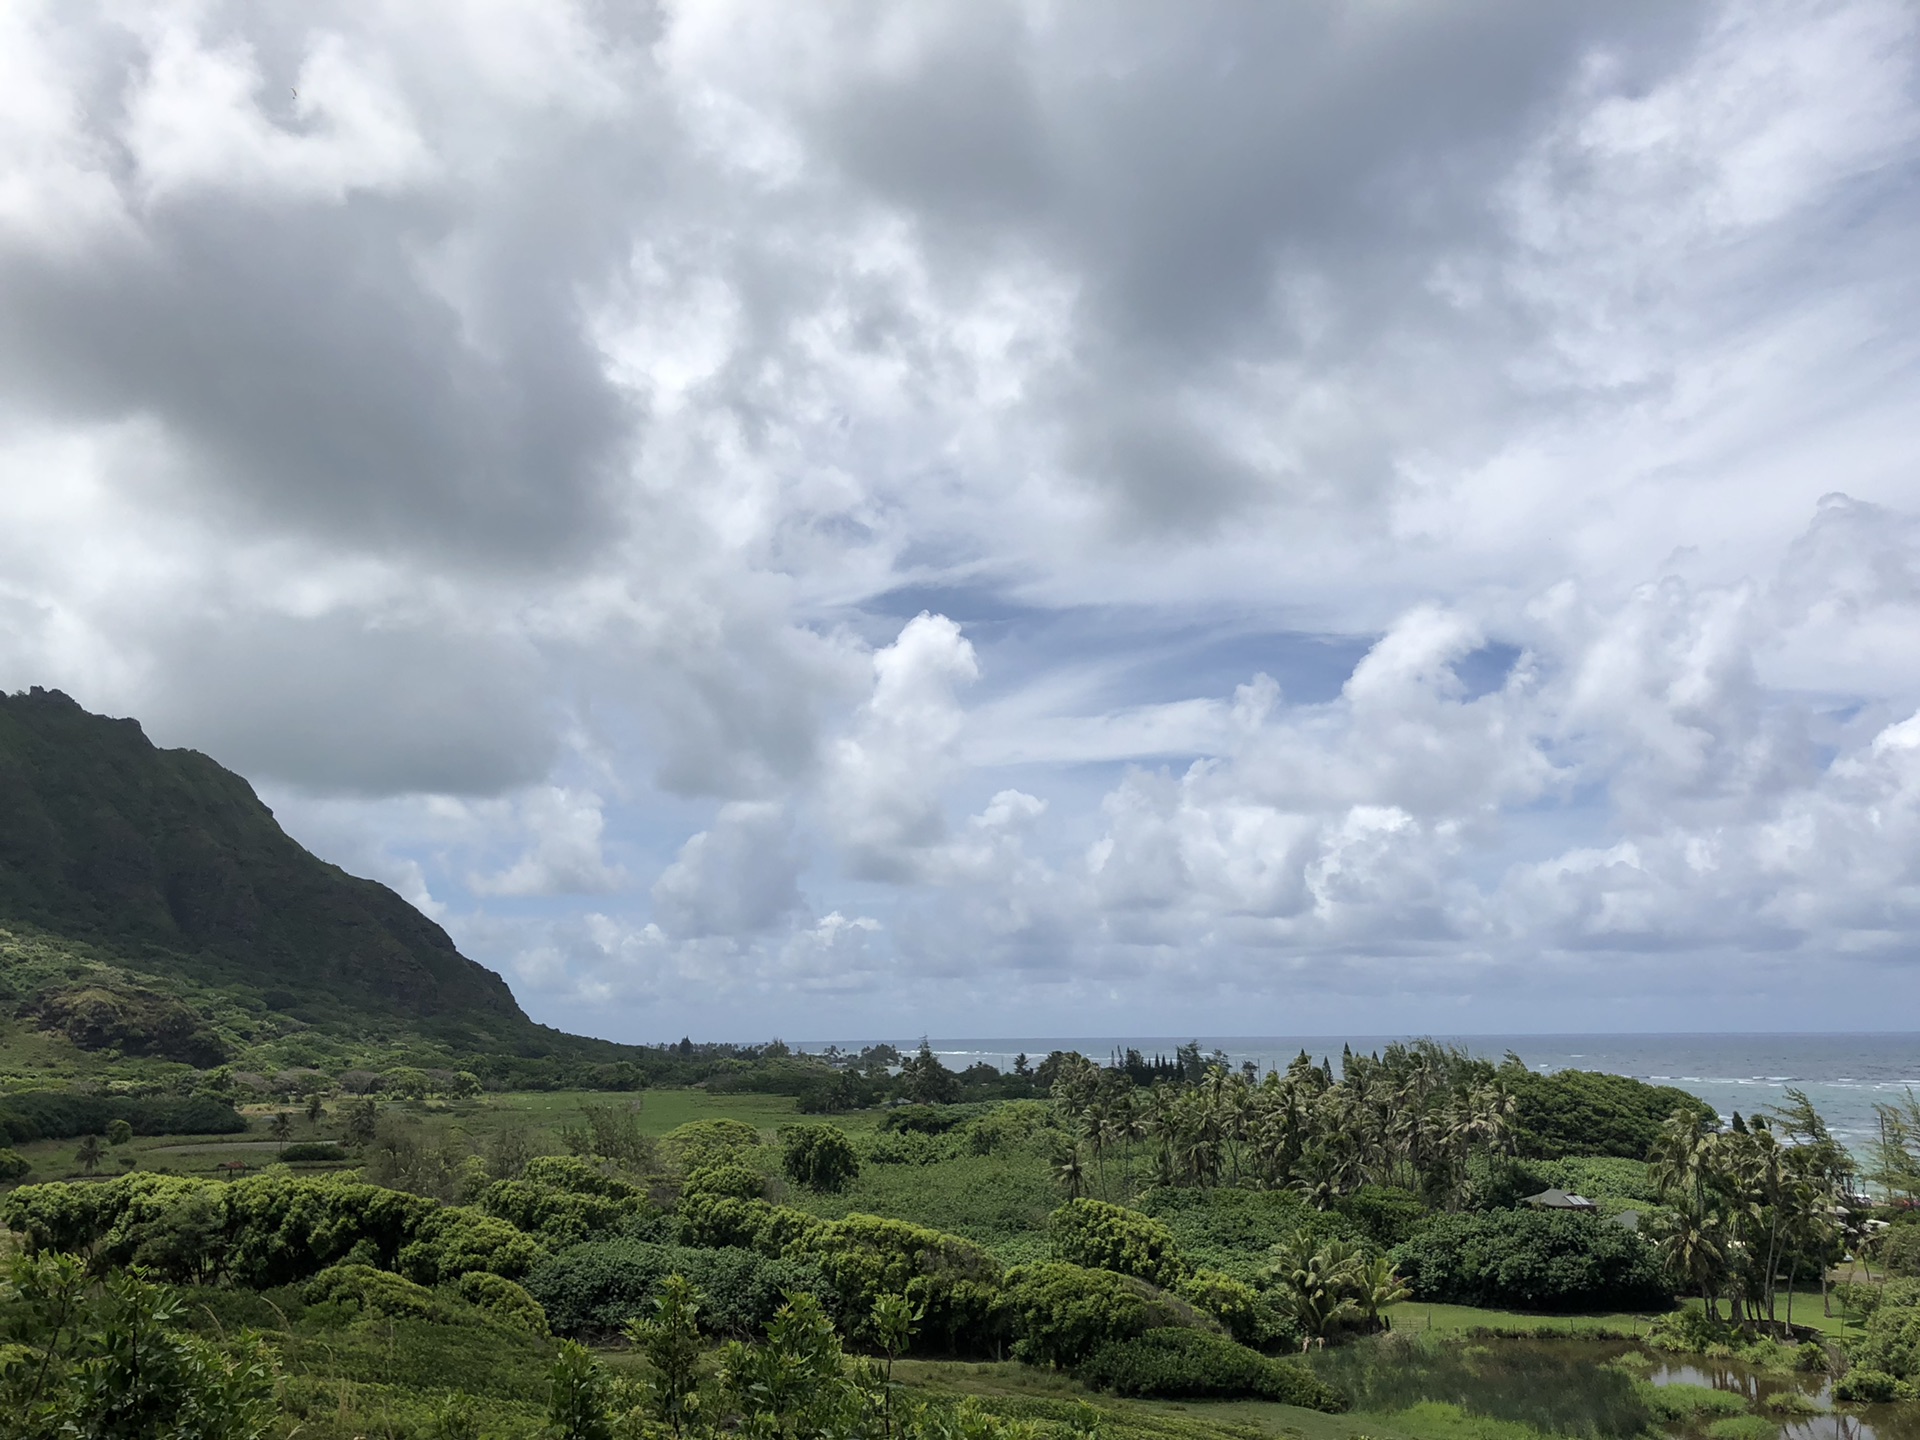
(1118, 508)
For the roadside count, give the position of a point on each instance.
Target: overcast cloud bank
(996, 518)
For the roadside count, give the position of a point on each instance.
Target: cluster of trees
(1417, 1118)
(1748, 1210)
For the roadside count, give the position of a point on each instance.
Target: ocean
(1844, 1075)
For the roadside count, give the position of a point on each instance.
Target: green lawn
(1417, 1316)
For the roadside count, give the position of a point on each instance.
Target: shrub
(312, 1150)
(865, 1257)
(1872, 1387)
(716, 1221)
(1229, 1229)
(710, 1142)
(503, 1299)
(738, 1181)
(595, 1289)
(1247, 1315)
(573, 1175)
(457, 1239)
(1688, 1405)
(910, 1147)
(820, 1157)
(12, 1166)
(1176, 1364)
(1532, 1260)
(1384, 1214)
(1744, 1427)
(1111, 1237)
(1891, 1342)
(1583, 1112)
(1062, 1313)
(559, 1217)
(923, 1119)
(368, 1289)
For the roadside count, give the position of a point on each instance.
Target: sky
(859, 520)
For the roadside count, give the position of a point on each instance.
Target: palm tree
(281, 1127)
(89, 1153)
(1379, 1285)
(1689, 1246)
(1318, 1287)
(316, 1109)
(1069, 1170)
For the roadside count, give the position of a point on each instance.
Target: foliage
(820, 1157)
(61, 1115)
(368, 1289)
(1384, 1215)
(578, 1396)
(611, 1133)
(594, 1290)
(1532, 1261)
(1891, 1342)
(1585, 1112)
(925, 1081)
(1111, 1237)
(1231, 1230)
(13, 1166)
(312, 1151)
(741, 1182)
(864, 1257)
(1061, 1313)
(669, 1338)
(1177, 1364)
(560, 1217)
(114, 1359)
(710, 1142)
(1871, 1387)
(503, 1299)
(1247, 1314)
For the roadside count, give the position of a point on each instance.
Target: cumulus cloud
(1119, 506)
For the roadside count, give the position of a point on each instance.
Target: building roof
(1551, 1199)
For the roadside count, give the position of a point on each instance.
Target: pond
(1603, 1390)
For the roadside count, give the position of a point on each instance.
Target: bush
(457, 1239)
(1175, 1364)
(1583, 1112)
(503, 1299)
(370, 1290)
(819, 1157)
(575, 1176)
(1744, 1427)
(1892, 1341)
(312, 1150)
(1688, 1405)
(595, 1289)
(738, 1181)
(1231, 1230)
(559, 1217)
(59, 1115)
(1061, 1314)
(923, 1119)
(1385, 1214)
(865, 1257)
(710, 1142)
(1110, 1237)
(910, 1147)
(1532, 1261)
(1872, 1387)
(1247, 1315)
(12, 1166)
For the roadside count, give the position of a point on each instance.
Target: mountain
(172, 864)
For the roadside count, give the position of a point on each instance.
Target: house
(1561, 1200)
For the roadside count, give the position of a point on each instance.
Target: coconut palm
(1317, 1286)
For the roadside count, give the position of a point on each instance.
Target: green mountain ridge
(143, 891)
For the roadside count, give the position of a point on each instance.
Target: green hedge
(1178, 1364)
(1061, 1314)
(59, 1115)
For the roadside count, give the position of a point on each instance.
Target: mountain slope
(165, 857)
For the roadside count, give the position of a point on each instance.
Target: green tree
(316, 1109)
(819, 1157)
(119, 1133)
(578, 1396)
(670, 1341)
(793, 1386)
(925, 1081)
(1319, 1287)
(895, 1321)
(281, 1127)
(89, 1154)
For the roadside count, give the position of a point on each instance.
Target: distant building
(1561, 1200)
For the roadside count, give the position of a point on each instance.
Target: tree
(119, 1133)
(281, 1127)
(925, 1081)
(577, 1396)
(1318, 1286)
(670, 1341)
(819, 1157)
(316, 1109)
(895, 1320)
(89, 1154)
(363, 1121)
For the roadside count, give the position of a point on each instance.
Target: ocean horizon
(1844, 1074)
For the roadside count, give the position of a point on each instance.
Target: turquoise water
(1843, 1074)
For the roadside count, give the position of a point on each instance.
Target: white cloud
(1134, 506)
